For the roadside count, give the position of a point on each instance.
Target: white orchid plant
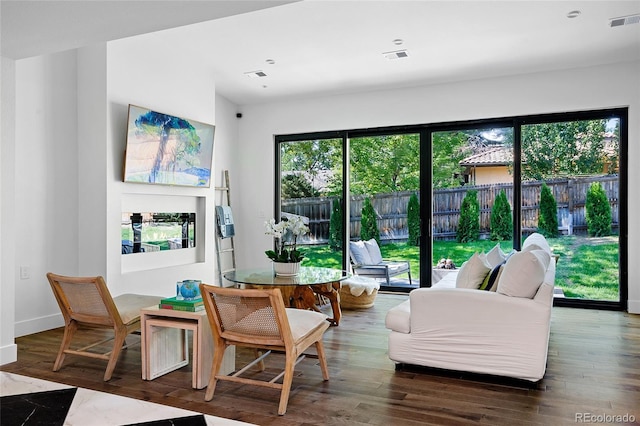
(286, 233)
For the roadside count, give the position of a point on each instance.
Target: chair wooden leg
(218, 355)
(289, 367)
(118, 342)
(69, 331)
(322, 359)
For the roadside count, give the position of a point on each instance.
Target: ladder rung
(228, 250)
(228, 270)
(222, 188)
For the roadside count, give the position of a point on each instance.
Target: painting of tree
(166, 149)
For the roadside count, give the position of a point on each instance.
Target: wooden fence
(570, 195)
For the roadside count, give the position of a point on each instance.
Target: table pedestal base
(304, 297)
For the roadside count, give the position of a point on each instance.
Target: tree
(296, 186)
(162, 125)
(548, 218)
(336, 225)
(312, 159)
(598, 211)
(382, 164)
(501, 218)
(449, 148)
(369, 222)
(413, 220)
(568, 149)
(469, 225)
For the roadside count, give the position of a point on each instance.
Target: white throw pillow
(359, 253)
(472, 272)
(374, 251)
(495, 256)
(537, 239)
(523, 273)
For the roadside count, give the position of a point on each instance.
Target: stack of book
(193, 305)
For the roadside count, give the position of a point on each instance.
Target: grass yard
(587, 267)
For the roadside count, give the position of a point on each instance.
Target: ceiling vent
(624, 20)
(255, 74)
(398, 54)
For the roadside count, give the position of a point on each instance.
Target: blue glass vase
(190, 289)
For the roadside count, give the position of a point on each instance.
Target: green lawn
(587, 267)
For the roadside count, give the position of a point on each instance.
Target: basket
(349, 301)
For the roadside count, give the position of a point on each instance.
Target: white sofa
(503, 332)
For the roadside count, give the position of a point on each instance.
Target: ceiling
(324, 47)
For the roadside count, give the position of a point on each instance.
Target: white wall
(65, 195)
(570, 90)
(140, 72)
(8, 348)
(46, 185)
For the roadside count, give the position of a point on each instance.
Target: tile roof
(498, 156)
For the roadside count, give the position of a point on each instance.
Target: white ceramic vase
(286, 269)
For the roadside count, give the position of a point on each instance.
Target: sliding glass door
(472, 194)
(474, 185)
(310, 187)
(384, 182)
(571, 194)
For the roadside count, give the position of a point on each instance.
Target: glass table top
(309, 275)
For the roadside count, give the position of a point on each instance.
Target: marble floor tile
(29, 401)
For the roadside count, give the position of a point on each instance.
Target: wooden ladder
(225, 250)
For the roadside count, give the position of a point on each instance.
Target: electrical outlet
(25, 272)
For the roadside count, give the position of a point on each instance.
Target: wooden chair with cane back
(87, 301)
(258, 319)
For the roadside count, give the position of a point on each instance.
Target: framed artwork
(167, 150)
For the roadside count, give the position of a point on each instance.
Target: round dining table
(298, 291)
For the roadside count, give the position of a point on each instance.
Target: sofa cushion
(490, 282)
(359, 253)
(523, 273)
(473, 272)
(495, 256)
(538, 240)
(374, 251)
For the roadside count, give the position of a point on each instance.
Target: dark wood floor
(593, 367)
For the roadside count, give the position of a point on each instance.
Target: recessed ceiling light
(398, 41)
(398, 54)
(270, 61)
(255, 74)
(573, 14)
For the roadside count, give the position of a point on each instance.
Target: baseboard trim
(36, 325)
(8, 354)
(633, 306)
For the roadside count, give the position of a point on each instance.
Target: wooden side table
(165, 347)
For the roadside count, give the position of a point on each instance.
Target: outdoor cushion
(473, 271)
(374, 251)
(523, 273)
(359, 252)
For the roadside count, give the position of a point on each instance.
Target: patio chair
(258, 319)
(87, 301)
(366, 261)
